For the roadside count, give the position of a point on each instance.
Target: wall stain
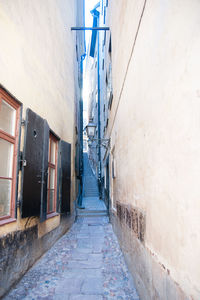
(134, 218)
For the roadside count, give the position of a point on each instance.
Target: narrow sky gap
(89, 5)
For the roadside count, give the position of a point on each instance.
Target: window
(104, 15)
(110, 46)
(9, 134)
(52, 174)
(103, 64)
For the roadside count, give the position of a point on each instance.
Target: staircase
(93, 205)
(90, 186)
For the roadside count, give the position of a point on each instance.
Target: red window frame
(13, 139)
(52, 166)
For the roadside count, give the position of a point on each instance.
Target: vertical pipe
(81, 105)
(81, 132)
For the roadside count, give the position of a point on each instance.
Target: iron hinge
(23, 162)
(23, 122)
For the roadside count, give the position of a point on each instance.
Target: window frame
(13, 139)
(53, 138)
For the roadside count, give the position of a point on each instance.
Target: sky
(89, 5)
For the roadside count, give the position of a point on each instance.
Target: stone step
(90, 185)
(92, 191)
(92, 188)
(92, 194)
(82, 211)
(103, 214)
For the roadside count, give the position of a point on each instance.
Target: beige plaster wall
(37, 63)
(155, 127)
(37, 58)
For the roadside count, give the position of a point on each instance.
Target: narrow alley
(99, 150)
(85, 264)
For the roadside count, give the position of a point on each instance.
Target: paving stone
(86, 297)
(97, 248)
(61, 297)
(97, 241)
(83, 250)
(84, 243)
(97, 235)
(86, 264)
(69, 286)
(92, 286)
(83, 235)
(79, 256)
(96, 257)
(83, 273)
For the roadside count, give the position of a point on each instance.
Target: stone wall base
(152, 280)
(19, 250)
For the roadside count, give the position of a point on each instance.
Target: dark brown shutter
(65, 176)
(43, 206)
(35, 156)
(59, 181)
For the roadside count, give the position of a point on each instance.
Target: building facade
(99, 69)
(152, 167)
(40, 94)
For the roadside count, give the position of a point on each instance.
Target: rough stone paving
(85, 264)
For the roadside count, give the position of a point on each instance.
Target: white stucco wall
(37, 64)
(37, 58)
(155, 127)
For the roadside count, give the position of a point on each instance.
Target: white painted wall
(155, 127)
(37, 58)
(37, 64)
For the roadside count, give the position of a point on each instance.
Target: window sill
(51, 215)
(6, 221)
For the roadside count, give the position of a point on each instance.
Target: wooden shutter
(65, 176)
(35, 156)
(59, 181)
(43, 205)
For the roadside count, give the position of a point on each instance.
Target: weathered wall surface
(37, 59)
(37, 64)
(20, 249)
(154, 126)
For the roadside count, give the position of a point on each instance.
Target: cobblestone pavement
(85, 264)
